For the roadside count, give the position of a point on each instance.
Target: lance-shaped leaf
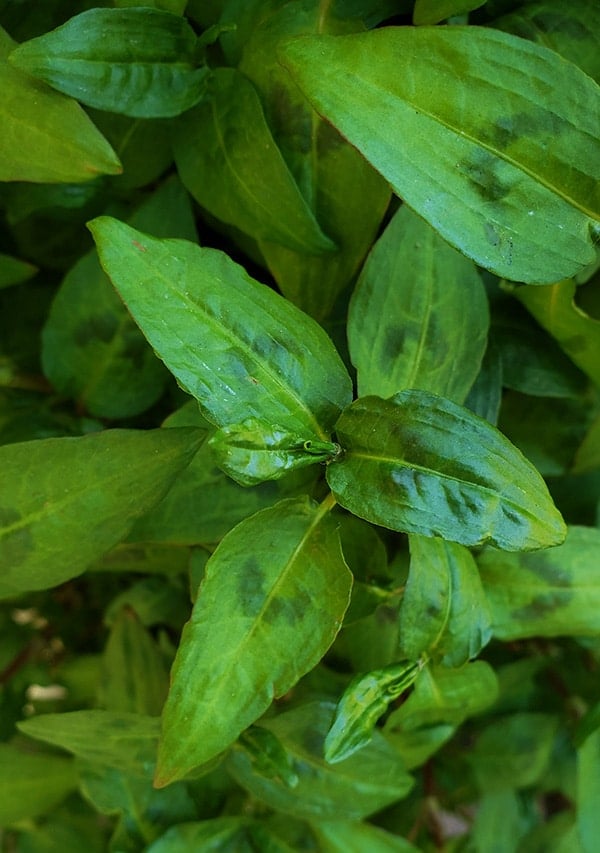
(271, 603)
(66, 501)
(492, 139)
(418, 316)
(256, 451)
(362, 784)
(229, 161)
(242, 350)
(364, 701)
(140, 62)
(46, 137)
(551, 594)
(14, 271)
(421, 464)
(444, 611)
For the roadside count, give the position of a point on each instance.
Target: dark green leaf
(235, 345)
(45, 136)
(340, 836)
(444, 611)
(419, 316)
(140, 62)
(485, 396)
(588, 792)
(550, 594)
(220, 834)
(424, 465)
(364, 701)
(354, 788)
(14, 271)
(513, 751)
(32, 783)
(291, 588)
(65, 501)
(443, 695)
(229, 161)
(257, 450)
(122, 741)
(502, 164)
(587, 457)
(434, 11)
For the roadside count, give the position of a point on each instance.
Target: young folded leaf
(238, 347)
(490, 138)
(271, 603)
(364, 701)
(421, 464)
(256, 450)
(140, 62)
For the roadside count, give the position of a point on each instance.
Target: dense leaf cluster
(300, 449)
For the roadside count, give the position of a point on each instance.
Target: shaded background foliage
(325, 693)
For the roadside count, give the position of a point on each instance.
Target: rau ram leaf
(493, 140)
(234, 344)
(271, 603)
(140, 62)
(86, 495)
(421, 464)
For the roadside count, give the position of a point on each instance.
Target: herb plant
(307, 416)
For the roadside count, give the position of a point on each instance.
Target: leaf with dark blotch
(242, 350)
(272, 600)
(421, 464)
(88, 491)
(492, 139)
(140, 61)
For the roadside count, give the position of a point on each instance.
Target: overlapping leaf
(422, 464)
(254, 631)
(235, 345)
(495, 141)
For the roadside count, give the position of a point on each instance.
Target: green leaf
(422, 464)
(572, 29)
(140, 62)
(235, 345)
(291, 588)
(434, 11)
(32, 783)
(92, 350)
(14, 271)
(444, 611)
(65, 501)
(364, 701)
(341, 836)
(346, 195)
(443, 695)
(228, 159)
(416, 746)
(501, 156)
(500, 823)
(588, 792)
(550, 594)
(419, 316)
(122, 741)
(257, 450)
(351, 790)
(133, 677)
(577, 333)
(46, 137)
(513, 751)
(223, 833)
(485, 396)
(587, 457)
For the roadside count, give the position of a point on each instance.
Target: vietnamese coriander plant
(260, 590)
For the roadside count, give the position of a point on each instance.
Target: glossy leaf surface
(351, 790)
(228, 159)
(89, 491)
(553, 593)
(256, 450)
(139, 61)
(422, 464)
(46, 136)
(444, 612)
(492, 139)
(364, 701)
(418, 316)
(235, 345)
(32, 784)
(291, 588)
